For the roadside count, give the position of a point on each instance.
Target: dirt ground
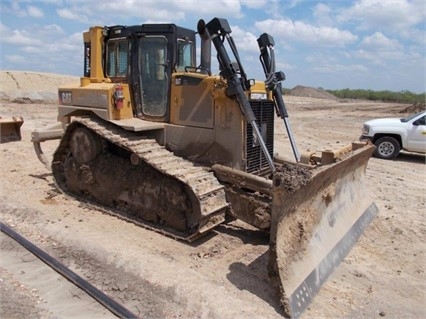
(223, 275)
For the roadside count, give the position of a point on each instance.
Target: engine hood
(384, 122)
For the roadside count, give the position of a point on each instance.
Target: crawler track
(137, 179)
(60, 268)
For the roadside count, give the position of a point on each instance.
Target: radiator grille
(256, 160)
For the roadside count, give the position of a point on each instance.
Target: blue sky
(363, 44)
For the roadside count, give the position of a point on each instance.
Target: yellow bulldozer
(153, 137)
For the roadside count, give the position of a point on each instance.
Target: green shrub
(385, 96)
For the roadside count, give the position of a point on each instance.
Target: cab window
(117, 53)
(421, 121)
(185, 55)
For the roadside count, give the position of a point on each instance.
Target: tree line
(385, 96)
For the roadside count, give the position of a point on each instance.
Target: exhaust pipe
(206, 47)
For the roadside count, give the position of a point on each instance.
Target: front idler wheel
(85, 145)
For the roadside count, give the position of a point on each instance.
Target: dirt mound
(306, 91)
(415, 108)
(32, 87)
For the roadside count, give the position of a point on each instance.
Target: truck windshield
(409, 118)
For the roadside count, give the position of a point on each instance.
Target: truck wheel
(387, 148)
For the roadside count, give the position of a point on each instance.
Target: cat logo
(65, 98)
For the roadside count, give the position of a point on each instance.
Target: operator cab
(145, 57)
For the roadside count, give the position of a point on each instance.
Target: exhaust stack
(206, 46)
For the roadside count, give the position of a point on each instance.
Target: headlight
(365, 129)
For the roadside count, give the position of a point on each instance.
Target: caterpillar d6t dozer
(153, 137)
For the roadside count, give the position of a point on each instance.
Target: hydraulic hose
(102, 298)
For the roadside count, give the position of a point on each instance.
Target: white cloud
(380, 57)
(20, 37)
(284, 66)
(319, 57)
(322, 40)
(413, 35)
(16, 9)
(57, 2)
(27, 37)
(379, 41)
(384, 15)
(76, 38)
(53, 29)
(229, 8)
(245, 41)
(155, 11)
(322, 14)
(15, 58)
(71, 15)
(31, 49)
(152, 10)
(340, 68)
(301, 32)
(294, 3)
(380, 50)
(3, 29)
(44, 49)
(254, 4)
(35, 12)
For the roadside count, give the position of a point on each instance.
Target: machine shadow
(248, 235)
(42, 176)
(254, 279)
(411, 158)
(47, 178)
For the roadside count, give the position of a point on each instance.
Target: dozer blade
(314, 227)
(10, 129)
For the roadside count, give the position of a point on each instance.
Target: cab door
(154, 77)
(416, 136)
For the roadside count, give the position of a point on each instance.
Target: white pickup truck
(391, 135)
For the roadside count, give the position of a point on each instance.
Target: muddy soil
(223, 275)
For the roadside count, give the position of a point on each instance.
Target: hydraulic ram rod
(217, 28)
(273, 83)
